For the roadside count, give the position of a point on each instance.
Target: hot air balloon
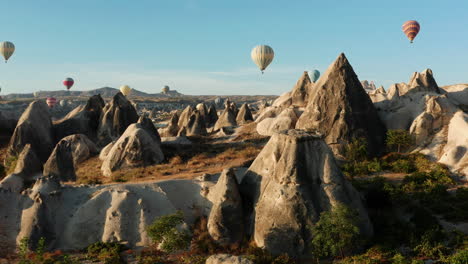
(125, 89)
(68, 82)
(7, 48)
(411, 29)
(165, 89)
(314, 75)
(51, 101)
(262, 55)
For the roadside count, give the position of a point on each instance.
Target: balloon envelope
(411, 29)
(262, 55)
(125, 89)
(7, 48)
(68, 82)
(314, 75)
(51, 101)
(165, 89)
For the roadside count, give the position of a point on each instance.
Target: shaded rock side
(226, 119)
(341, 110)
(245, 115)
(293, 179)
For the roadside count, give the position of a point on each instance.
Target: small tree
(399, 138)
(356, 150)
(336, 233)
(164, 232)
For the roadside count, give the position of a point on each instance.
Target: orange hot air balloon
(411, 29)
(51, 101)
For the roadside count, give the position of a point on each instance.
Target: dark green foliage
(399, 139)
(261, 256)
(402, 165)
(336, 233)
(356, 150)
(108, 252)
(164, 232)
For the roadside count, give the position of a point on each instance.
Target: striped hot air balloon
(51, 101)
(7, 48)
(68, 82)
(411, 29)
(262, 55)
(125, 89)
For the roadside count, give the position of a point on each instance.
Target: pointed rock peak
(381, 89)
(95, 102)
(304, 79)
(423, 81)
(148, 125)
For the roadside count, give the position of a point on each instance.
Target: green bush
(399, 139)
(261, 256)
(10, 164)
(403, 165)
(356, 150)
(164, 232)
(374, 166)
(336, 233)
(108, 252)
(460, 257)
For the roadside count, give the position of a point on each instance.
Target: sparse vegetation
(107, 252)
(167, 234)
(40, 256)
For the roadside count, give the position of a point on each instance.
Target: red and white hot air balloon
(51, 101)
(68, 82)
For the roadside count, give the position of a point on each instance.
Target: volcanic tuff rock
(341, 110)
(135, 148)
(423, 81)
(116, 116)
(286, 120)
(212, 116)
(185, 116)
(225, 223)
(196, 125)
(67, 154)
(244, 115)
(299, 95)
(147, 124)
(7, 123)
(35, 128)
(81, 120)
(293, 179)
(226, 119)
(173, 128)
(27, 164)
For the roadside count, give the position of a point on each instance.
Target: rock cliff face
(341, 110)
(34, 128)
(293, 179)
(117, 115)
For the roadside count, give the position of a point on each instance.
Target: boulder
(286, 120)
(81, 120)
(117, 115)
(226, 119)
(225, 223)
(340, 109)
(245, 115)
(227, 259)
(67, 154)
(294, 179)
(135, 148)
(34, 128)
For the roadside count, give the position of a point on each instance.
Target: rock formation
(135, 148)
(35, 128)
(298, 96)
(226, 119)
(340, 109)
(82, 120)
(27, 164)
(286, 120)
(117, 115)
(172, 128)
(423, 81)
(147, 124)
(196, 125)
(225, 223)
(245, 115)
(293, 179)
(227, 259)
(212, 116)
(67, 154)
(185, 116)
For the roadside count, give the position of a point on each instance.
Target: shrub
(403, 165)
(374, 166)
(10, 164)
(108, 252)
(336, 233)
(164, 232)
(399, 138)
(460, 257)
(356, 150)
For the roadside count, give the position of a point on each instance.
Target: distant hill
(104, 91)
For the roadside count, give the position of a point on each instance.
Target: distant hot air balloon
(125, 89)
(262, 55)
(314, 75)
(63, 103)
(7, 48)
(165, 89)
(411, 29)
(68, 82)
(51, 101)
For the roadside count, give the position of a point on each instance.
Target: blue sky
(203, 47)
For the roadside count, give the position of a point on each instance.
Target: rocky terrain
(251, 176)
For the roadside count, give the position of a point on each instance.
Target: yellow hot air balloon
(262, 55)
(7, 48)
(125, 89)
